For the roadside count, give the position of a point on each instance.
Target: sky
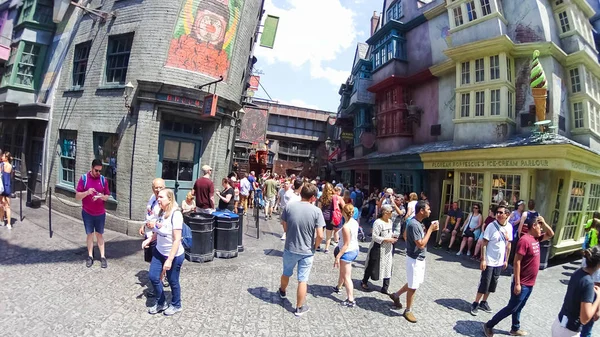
(314, 49)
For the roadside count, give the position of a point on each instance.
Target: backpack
(336, 216)
(360, 197)
(186, 234)
(84, 178)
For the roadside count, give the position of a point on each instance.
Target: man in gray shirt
(300, 221)
(416, 247)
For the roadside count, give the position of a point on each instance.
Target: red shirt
(91, 206)
(529, 248)
(203, 189)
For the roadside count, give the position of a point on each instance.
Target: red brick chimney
(374, 22)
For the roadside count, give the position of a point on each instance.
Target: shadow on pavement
(273, 252)
(469, 328)
(24, 255)
(454, 304)
(147, 290)
(271, 297)
(383, 307)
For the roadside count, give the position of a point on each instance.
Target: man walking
(300, 220)
(291, 195)
(494, 257)
(526, 267)
(252, 180)
(92, 190)
(270, 189)
(416, 247)
(204, 190)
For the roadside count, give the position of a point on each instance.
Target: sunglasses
(475, 207)
(500, 213)
(97, 171)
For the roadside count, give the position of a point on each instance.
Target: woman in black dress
(226, 200)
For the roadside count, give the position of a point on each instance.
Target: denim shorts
(304, 262)
(93, 223)
(348, 256)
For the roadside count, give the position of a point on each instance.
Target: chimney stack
(374, 22)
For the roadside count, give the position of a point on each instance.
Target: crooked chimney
(374, 22)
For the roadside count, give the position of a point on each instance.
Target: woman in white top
(379, 258)
(410, 208)
(346, 254)
(471, 229)
(168, 255)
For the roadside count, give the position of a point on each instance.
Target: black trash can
(202, 226)
(545, 253)
(226, 234)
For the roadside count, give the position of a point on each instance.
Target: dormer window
(394, 11)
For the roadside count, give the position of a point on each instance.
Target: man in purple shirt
(93, 191)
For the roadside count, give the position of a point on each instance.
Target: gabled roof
(360, 53)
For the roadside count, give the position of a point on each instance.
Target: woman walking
(471, 230)
(582, 299)
(326, 202)
(6, 169)
(379, 257)
(346, 252)
(167, 255)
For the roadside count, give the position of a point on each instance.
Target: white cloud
(312, 32)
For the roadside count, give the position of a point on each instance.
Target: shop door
(178, 164)
(447, 196)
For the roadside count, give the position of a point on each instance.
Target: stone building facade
(454, 116)
(168, 51)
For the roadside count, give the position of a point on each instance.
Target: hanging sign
(209, 108)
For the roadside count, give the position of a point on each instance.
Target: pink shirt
(91, 206)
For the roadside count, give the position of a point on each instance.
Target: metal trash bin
(226, 234)
(202, 226)
(545, 253)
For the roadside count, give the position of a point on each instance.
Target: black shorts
(329, 225)
(489, 280)
(148, 252)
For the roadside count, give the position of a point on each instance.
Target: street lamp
(126, 93)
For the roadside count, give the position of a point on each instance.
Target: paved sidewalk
(48, 291)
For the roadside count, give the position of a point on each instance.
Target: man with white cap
(204, 190)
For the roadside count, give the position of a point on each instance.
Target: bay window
(394, 11)
(485, 87)
(392, 113)
(391, 46)
(575, 210)
(24, 66)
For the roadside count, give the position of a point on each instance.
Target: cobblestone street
(48, 291)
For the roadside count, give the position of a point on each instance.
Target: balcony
(4, 48)
(294, 151)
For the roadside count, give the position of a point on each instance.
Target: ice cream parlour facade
(562, 177)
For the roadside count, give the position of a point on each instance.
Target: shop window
(593, 204)
(105, 149)
(405, 184)
(117, 59)
(178, 160)
(556, 213)
(68, 153)
(506, 187)
(80, 61)
(575, 213)
(345, 177)
(470, 190)
(389, 180)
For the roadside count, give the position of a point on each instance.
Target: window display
(506, 187)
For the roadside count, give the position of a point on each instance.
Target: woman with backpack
(328, 201)
(168, 255)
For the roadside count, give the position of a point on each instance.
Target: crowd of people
(314, 213)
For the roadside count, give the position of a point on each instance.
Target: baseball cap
(206, 168)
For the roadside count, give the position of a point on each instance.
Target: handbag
(336, 217)
(468, 232)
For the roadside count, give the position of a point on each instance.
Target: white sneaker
(459, 254)
(468, 253)
(9, 226)
(283, 237)
(2, 223)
